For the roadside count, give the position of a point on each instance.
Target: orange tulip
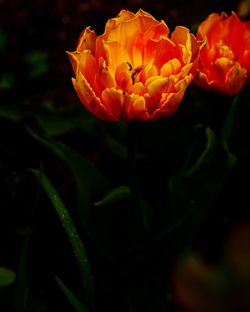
(134, 71)
(224, 64)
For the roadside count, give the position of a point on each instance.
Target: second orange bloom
(224, 64)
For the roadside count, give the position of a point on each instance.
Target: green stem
(132, 170)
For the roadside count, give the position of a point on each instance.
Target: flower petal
(235, 79)
(114, 23)
(88, 67)
(206, 25)
(123, 76)
(87, 41)
(137, 88)
(118, 54)
(148, 71)
(168, 106)
(73, 59)
(113, 99)
(181, 36)
(134, 108)
(155, 87)
(90, 100)
(172, 67)
(106, 75)
(161, 57)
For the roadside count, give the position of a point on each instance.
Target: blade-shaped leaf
(99, 224)
(195, 191)
(115, 195)
(211, 141)
(74, 238)
(75, 302)
(90, 182)
(56, 123)
(91, 187)
(20, 298)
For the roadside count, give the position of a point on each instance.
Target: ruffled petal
(123, 106)
(137, 88)
(149, 25)
(206, 25)
(156, 86)
(161, 57)
(90, 100)
(168, 105)
(88, 67)
(106, 75)
(87, 41)
(73, 59)
(117, 54)
(114, 23)
(134, 108)
(123, 76)
(172, 67)
(113, 99)
(235, 79)
(182, 37)
(148, 71)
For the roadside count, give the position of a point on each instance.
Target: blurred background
(213, 273)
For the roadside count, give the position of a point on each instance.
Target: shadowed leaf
(78, 306)
(7, 277)
(74, 238)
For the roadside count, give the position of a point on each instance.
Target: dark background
(36, 91)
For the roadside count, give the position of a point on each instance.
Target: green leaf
(115, 195)
(58, 122)
(194, 191)
(90, 182)
(210, 145)
(55, 124)
(91, 186)
(7, 277)
(121, 194)
(74, 238)
(75, 302)
(21, 285)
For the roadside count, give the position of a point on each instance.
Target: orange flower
(134, 71)
(224, 63)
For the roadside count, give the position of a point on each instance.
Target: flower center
(224, 51)
(134, 72)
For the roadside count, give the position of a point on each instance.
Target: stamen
(130, 66)
(135, 72)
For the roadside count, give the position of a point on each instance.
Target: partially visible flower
(134, 71)
(224, 64)
(243, 9)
